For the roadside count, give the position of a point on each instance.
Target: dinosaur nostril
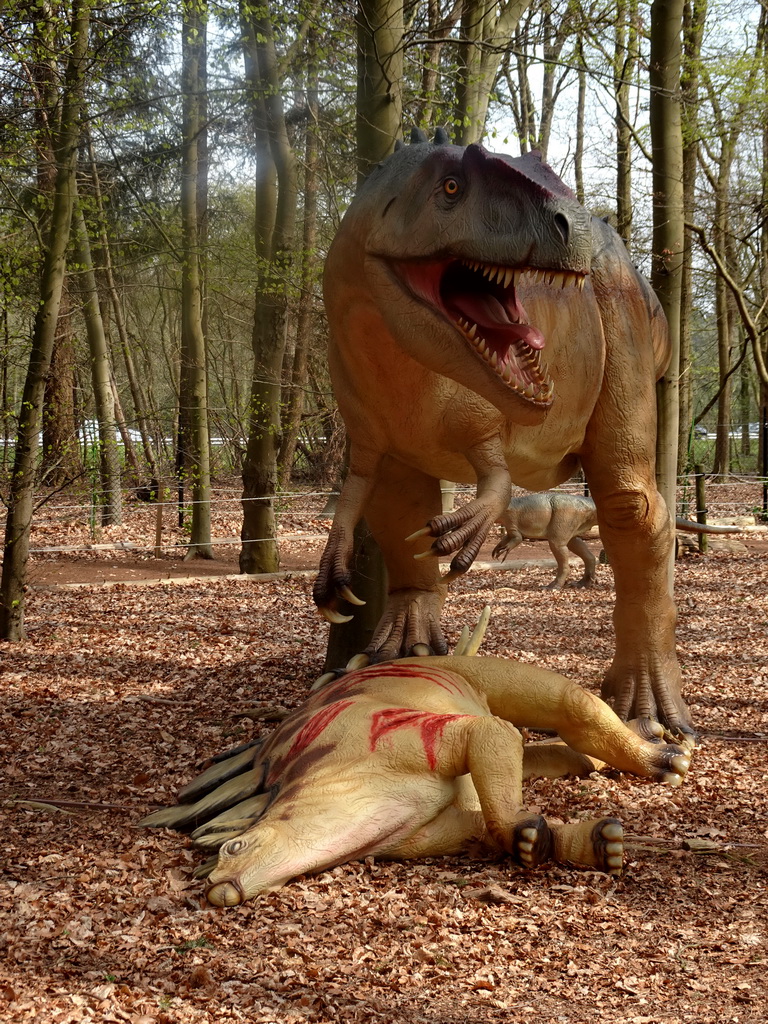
(562, 225)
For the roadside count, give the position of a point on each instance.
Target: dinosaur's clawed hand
(332, 585)
(463, 531)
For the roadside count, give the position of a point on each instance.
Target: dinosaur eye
(451, 187)
(233, 847)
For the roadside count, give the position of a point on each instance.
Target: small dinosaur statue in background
(557, 517)
(562, 519)
(484, 328)
(415, 758)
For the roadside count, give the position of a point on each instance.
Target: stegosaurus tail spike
(185, 816)
(467, 646)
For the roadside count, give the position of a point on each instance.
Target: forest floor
(121, 691)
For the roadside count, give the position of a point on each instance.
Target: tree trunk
(693, 33)
(61, 457)
(193, 390)
(486, 32)
(379, 80)
(139, 404)
(276, 196)
(668, 223)
(294, 403)
(61, 462)
(101, 378)
(624, 61)
(21, 493)
(578, 155)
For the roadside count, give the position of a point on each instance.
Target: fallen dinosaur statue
(485, 328)
(562, 520)
(416, 758)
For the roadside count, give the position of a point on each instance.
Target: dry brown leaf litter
(120, 692)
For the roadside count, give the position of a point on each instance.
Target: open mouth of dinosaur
(480, 300)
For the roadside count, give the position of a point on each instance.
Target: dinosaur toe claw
(421, 651)
(358, 661)
(321, 681)
(425, 531)
(332, 616)
(608, 841)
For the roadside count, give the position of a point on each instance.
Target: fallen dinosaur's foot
(595, 844)
(531, 841)
(608, 845)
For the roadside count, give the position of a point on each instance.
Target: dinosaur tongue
(498, 325)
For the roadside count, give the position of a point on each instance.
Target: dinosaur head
(451, 233)
(248, 865)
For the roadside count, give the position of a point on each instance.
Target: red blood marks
(398, 670)
(315, 726)
(431, 727)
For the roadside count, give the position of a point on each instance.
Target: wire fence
(64, 525)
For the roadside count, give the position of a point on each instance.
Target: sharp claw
(452, 574)
(334, 617)
(321, 681)
(358, 661)
(426, 554)
(423, 532)
(421, 650)
(347, 594)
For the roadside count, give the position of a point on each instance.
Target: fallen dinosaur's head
(247, 865)
(450, 234)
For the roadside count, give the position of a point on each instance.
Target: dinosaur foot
(531, 841)
(607, 840)
(648, 695)
(467, 645)
(591, 844)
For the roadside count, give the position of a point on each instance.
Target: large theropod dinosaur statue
(416, 758)
(484, 327)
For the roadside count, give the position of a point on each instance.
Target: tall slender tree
(101, 375)
(668, 221)
(21, 493)
(193, 387)
(276, 197)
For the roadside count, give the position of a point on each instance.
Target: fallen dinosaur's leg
(413, 757)
(540, 699)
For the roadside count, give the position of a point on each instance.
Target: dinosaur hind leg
(578, 547)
